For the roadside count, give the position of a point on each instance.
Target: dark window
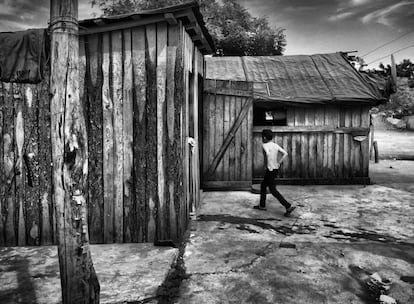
(269, 116)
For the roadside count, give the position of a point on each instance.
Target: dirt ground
(395, 144)
(325, 253)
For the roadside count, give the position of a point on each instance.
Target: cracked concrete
(324, 253)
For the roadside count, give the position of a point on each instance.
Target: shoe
(289, 210)
(258, 207)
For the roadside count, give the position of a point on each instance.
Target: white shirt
(271, 150)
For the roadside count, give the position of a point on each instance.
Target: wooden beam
(314, 129)
(70, 158)
(171, 20)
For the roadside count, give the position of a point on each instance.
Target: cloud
(359, 2)
(387, 15)
(340, 16)
(23, 14)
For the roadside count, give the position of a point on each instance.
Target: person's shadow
(17, 286)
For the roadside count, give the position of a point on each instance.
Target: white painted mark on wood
(29, 96)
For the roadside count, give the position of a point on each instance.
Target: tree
(235, 32)
(404, 69)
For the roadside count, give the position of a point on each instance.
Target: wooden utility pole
(70, 158)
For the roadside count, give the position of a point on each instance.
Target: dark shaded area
(169, 290)
(365, 235)
(286, 230)
(24, 292)
(408, 279)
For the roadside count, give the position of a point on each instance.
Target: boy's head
(267, 135)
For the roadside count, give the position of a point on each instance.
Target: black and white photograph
(206, 152)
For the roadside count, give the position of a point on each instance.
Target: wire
(397, 51)
(387, 43)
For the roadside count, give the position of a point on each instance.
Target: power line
(397, 51)
(387, 43)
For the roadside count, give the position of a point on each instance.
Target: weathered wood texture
(136, 89)
(228, 138)
(25, 157)
(70, 157)
(138, 188)
(322, 143)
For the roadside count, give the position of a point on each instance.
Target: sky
(311, 26)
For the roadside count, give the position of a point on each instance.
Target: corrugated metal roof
(321, 78)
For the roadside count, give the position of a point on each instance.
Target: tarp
(22, 55)
(321, 78)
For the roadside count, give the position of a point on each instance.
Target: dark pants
(269, 181)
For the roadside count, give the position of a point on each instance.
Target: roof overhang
(188, 13)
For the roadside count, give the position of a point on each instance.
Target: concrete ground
(325, 253)
(127, 273)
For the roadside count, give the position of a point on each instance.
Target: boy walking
(272, 164)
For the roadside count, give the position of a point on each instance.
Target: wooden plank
(128, 137)
(348, 158)
(197, 107)
(94, 103)
(313, 155)
(239, 149)
(178, 134)
(108, 141)
(365, 122)
(151, 139)
(226, 141)
(258, 161)
(304, 159)
(31, 165)
(232, 146)
(3, 185)
(218, 140)
(48, 219)
(228, 92)
(290, 116)
(248, 148)
(226, 128)
(173, 39)
(309, 116)
(19, 168)
(161, 64)
(299, 117)
(207, 100)
(8, 195)
(356, 146)
(117, 93)
(213, 143)
(330, 120)
(140, 132)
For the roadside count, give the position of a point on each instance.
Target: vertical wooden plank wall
(321, 145)
(223, 103)
(136, 99)
(25, 183)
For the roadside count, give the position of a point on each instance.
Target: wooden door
(227, 135)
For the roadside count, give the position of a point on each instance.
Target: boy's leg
(263, 193)
(275, 193)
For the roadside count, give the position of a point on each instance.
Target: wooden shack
(317, 107)
(141, 78)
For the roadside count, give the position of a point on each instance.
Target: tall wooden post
(70, 158)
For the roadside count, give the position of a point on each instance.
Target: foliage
(401, 103)
(404, 69)
(235, 32)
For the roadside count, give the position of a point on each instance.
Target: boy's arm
(264, 159)
(284, 154)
